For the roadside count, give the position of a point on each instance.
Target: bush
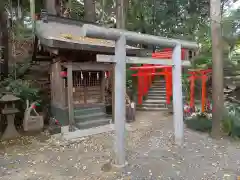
(203, 121)
(199, 122)
(16, 84)
(231, 121)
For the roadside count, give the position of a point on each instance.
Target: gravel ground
(150, 152)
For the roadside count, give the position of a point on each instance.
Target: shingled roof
(64, 35)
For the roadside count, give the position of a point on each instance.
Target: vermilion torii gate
(120, 59)
(147, 72)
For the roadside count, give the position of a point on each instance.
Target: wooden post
(85, 90)
(103, 84)
(113, 90)
(53, 85)
(59, 84)
(70, 95)
(186, 54)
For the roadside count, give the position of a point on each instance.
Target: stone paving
(150, 150)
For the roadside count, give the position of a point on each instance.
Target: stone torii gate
(120, 59)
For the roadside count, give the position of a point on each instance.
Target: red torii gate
(146, 75)
(203, 75)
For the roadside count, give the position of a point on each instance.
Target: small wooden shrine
(80, 86)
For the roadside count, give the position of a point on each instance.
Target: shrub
(203, 121)
(199, 122)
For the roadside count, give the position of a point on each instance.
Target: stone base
(10, 132)
(65, 129)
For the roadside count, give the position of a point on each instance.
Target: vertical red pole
(140, 83)
(154, 70)
(204, 78)
(144, 81)
(150, 77)
(166, 75)
(170, 81)
(147, 79)
(192, 84)
(168, 98)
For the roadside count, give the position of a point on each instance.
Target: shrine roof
(65, 35)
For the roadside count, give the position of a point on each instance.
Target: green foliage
(77, 10)
(130, 80)
(16, 84)
(230, 123)
(186, 86)
(230, 28)
(199, 123)
(21, 88)
(203, 61)
(227, 123)
(21, 33)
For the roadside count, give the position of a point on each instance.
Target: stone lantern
(9, 112)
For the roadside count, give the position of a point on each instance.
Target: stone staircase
(156, 98)
(89, 117)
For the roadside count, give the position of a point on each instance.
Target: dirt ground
(151, 155)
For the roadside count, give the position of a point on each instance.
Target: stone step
(93, 123)
(155, 101)
(159, 81)
(152, 105)
(159, 93)
(85, 111)
(153, 95)
(159, 84)
(157, 90)
(156, 96)
(152, 109)
(89, 117)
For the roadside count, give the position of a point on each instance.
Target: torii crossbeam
(120, 60)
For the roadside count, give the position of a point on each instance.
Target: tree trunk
(89, 11)
(4, 42)
(121, 14)
(217, 68)
(50, 6)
